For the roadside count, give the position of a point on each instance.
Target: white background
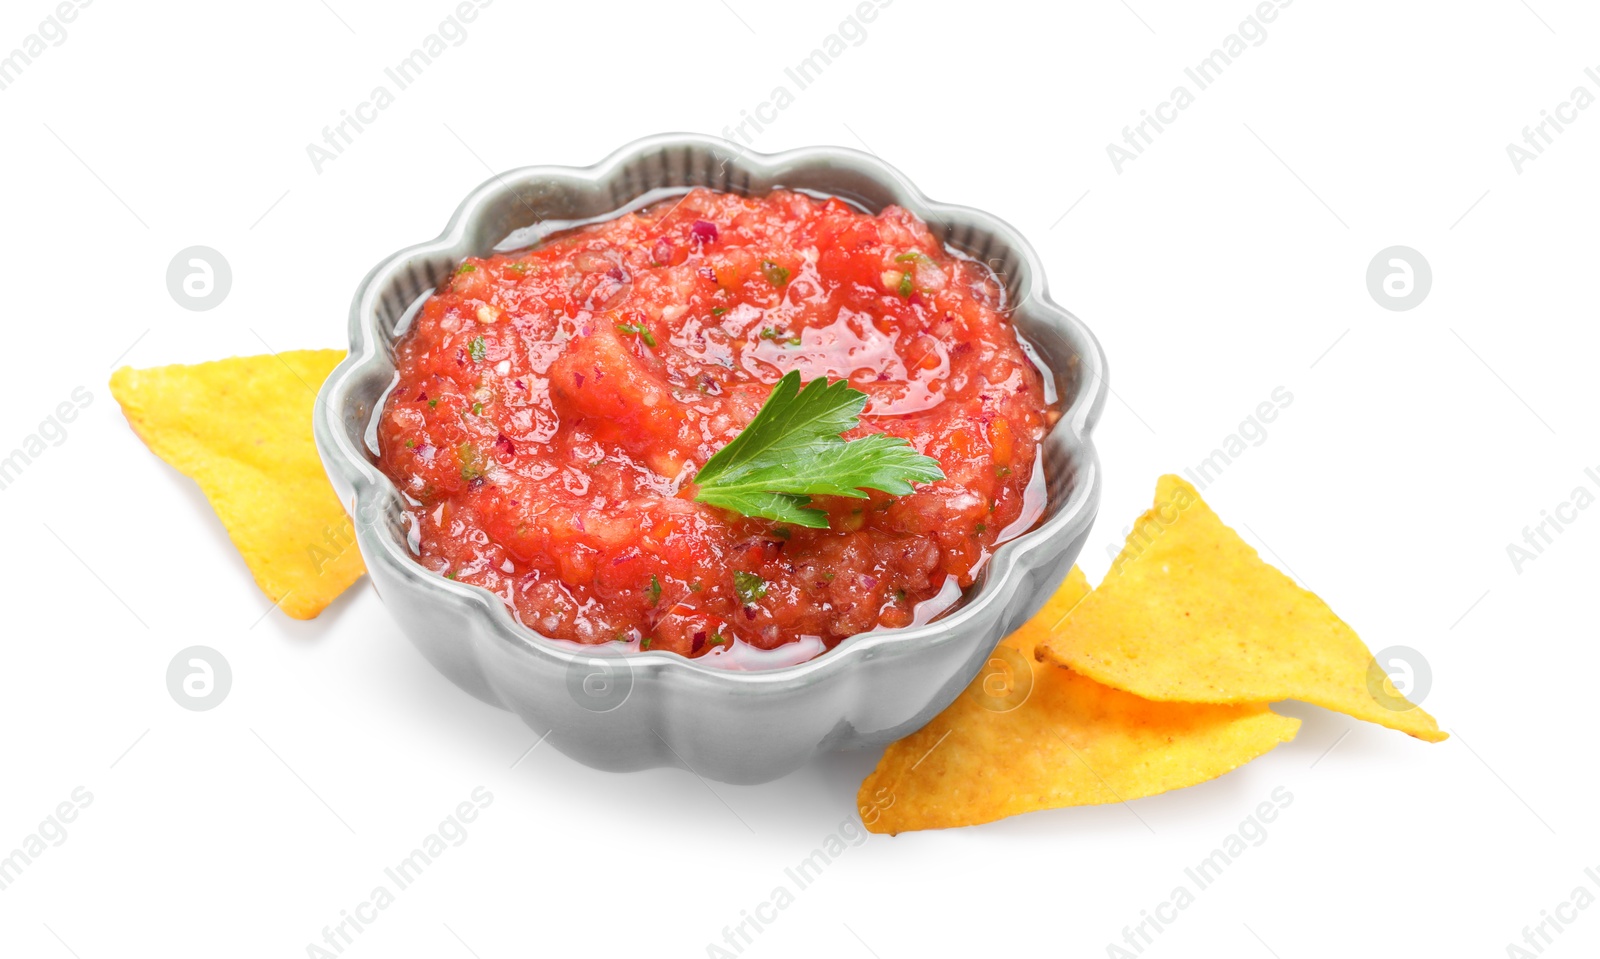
(1228, 260)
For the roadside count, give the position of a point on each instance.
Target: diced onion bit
(703, 232)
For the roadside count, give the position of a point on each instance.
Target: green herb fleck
(654, 590)
(695, 586)
(411, 444)
(899, 595)
(905, 283)
(771, 333)
(912, 257)
(718, 310)
(794, 449)
(449, 574)
(471, 464)
(518, 268)
(980, 529)
(775, 274)
(477, 349)
(433, 403)
(716, 638)
(639, 328)
(466, 268)
(749, 586)
(644, 643)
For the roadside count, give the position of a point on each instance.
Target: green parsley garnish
(449, 574)
(641, 330)
(433, 403)
(644, 643)
(905, 283)
(466, 268)
(411, 444)
(795, 449)
(477, 349)
(749, 586)
(655, 590)
(718, 310)
(775, 274)
(716, 638)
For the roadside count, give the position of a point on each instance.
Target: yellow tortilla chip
(241, 428)
(1028, 735)
(1190, 613)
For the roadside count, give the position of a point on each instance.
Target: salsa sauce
(553, 404)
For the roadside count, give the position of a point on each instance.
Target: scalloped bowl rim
(370, 485)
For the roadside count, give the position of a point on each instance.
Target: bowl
(619, 710)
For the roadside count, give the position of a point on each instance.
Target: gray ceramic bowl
(635, 710)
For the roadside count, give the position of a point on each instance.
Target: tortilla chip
(1028, 735)
(241, 428)
(1189, 613)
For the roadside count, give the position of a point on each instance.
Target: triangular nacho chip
(1028, 735)
(1190, 613)
(241, 428)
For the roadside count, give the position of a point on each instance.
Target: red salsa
(553, 405)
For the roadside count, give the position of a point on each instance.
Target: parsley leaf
(655, 590)
(794, 449)
(478, 349)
